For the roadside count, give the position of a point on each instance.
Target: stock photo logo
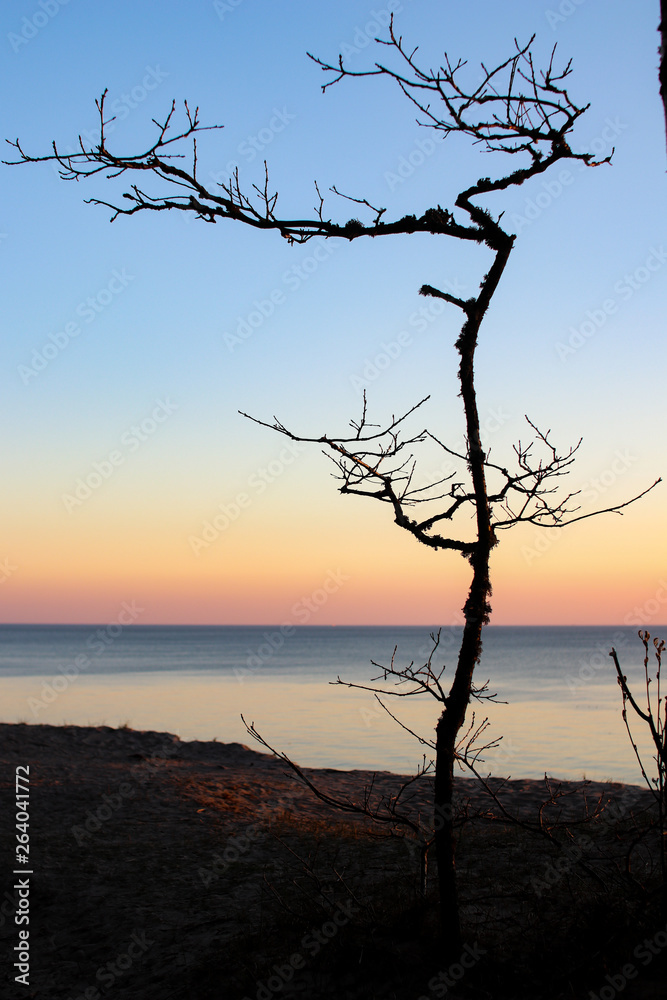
(292, 279)
(565, 10)
(624, 288)
(87, 310)
(96, 644)
(258, 482)
(36, 22)
(131, 440)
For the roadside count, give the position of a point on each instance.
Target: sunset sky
(128, 349)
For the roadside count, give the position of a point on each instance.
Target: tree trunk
(477, 609)
(447, 730)
(445, 847)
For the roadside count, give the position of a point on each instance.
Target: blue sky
(575, 337)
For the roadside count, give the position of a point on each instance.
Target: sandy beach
(163, 868)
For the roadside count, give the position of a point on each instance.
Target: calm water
(562, 713)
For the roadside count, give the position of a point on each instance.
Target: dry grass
(219, 933)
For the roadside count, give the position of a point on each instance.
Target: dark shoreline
(200, 861)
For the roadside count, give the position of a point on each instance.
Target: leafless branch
(366, 465)
(515, 109)
(653, 716)
(383, 811)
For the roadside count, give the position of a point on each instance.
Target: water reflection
(320, 725)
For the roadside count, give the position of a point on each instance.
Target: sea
(557, 709)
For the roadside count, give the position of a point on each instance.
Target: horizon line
(284, 625)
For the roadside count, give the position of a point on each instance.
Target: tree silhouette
(655, 718)
(515, 110)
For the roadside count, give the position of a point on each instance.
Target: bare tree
(514, 110)
(655, 717)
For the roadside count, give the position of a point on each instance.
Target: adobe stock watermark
(597, 661)
(645, 952)
(449, 638)
(422, 150)
(391, 350)
(131, 440)
(311, 943)
(115, 111)
(97, 817)
(302, 611)
(98, 642)
(139, 775)
(644, 614)
(573, 851)
(7, 570)
(31, 26)
(492, 421)
(590, 491)
(366, 33)
(235, 848)
(253, 145)
(239, 846)
(108, 973)
(224, 7)
(565, 9)
(552, 189)
(121, 107)
(87, 310)
(258, 482)
(439, 984)
(625, 288)
(293, 278)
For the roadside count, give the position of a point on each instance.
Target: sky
(128, 349)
